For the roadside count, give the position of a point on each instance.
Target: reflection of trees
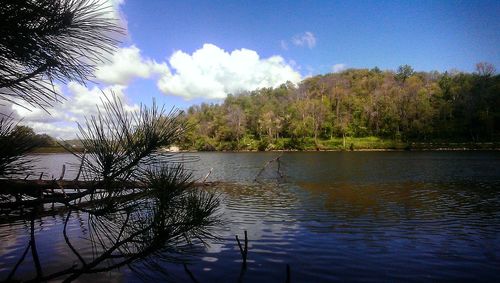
(265, 195)
(393, 201)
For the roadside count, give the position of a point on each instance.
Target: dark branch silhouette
(15, 142)
(45, 41)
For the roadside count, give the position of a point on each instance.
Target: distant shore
(339, 144)
(488, 146)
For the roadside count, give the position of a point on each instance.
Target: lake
(335, 216)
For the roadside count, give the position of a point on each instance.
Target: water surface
(337, 216)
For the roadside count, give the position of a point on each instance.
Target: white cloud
(24, 111)
(305, 39)
(338, 68)
(111, 9)
(80, 102)
(84, 101)
(211, 72)
(55, 129)
(126, 64)
(60, 120)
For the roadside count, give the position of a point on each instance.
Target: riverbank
(338, 144)
(308, 144)
(52, 149)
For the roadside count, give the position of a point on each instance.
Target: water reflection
(407, 200)
(432, 217)
(140, 231)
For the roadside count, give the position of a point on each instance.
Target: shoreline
(354, 150)
(42, 151)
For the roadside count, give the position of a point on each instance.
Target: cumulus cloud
(84, 101)
(56, 129)
(338, 68)
(126, 64)
(80, 102)
(111, 10)
(211, 72)
(24, 111)
(60, 120)
(305, 39)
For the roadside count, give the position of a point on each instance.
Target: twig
(69, 243)
(246, 247)
(34, 252)
(279, 167)
(208, 174)
(191, 275)
(81, 165)
(243, 250)
(276, 159)
(62, 188)
(18, 263)
(287, 273)
(63, 171)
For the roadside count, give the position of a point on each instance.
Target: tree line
(403, 106)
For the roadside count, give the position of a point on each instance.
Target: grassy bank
(308, 144)
(50, 149)
(336, 144)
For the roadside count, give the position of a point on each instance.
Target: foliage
(143, 207)
(404, 72)
(44, 41)
(15, 142)
(141, 230)
(117, 142)
(403, 106)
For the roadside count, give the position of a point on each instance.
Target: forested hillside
(400, 107)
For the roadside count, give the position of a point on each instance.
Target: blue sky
(429, 35)
(187, 52)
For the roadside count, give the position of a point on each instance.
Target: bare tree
(485, 69)
(236, 120)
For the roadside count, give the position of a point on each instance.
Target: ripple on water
(360, 217)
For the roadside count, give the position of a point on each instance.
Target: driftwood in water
(36, 187)
(243, 250)
(53, 191)
(278, 170)
(244, 253)
(206, 176)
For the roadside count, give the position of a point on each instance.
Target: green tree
(403, 73)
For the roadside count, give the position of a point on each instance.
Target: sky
(188, 52)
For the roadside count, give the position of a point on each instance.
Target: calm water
(338, 216)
